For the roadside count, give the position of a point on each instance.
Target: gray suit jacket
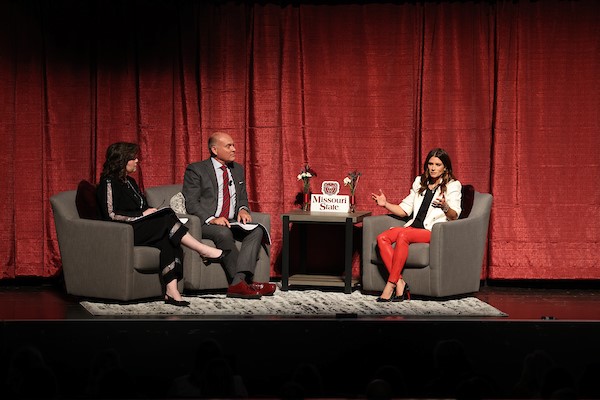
(200, 189)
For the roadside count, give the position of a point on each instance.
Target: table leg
(302, 228)
(348, 256)
(285, 254)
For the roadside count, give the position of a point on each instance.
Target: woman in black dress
(121, 200)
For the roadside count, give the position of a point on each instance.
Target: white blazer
(412, 203)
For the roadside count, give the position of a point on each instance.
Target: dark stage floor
(522, 301)
(560, 319)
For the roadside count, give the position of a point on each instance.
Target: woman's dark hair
(447, 175)
(117, 157)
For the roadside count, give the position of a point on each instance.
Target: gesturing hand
(380, 198)
(440, 202)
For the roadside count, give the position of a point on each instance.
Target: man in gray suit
(215, 191)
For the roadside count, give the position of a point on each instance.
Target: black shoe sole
(178, 303)
(244, 296)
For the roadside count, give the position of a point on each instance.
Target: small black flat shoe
(178, 303)
(208, 260)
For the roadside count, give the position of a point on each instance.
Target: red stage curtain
(546, 137)
(510, 89)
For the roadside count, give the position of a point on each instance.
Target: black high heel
(384, 300)
(178, 303)
(404, 296)
(208, 260)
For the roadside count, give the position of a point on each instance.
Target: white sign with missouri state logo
(329, 200)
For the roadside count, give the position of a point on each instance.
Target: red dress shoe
(264, 288)
(242, 291)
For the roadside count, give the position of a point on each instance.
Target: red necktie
(226, 195)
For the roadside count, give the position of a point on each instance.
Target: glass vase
(306, 202)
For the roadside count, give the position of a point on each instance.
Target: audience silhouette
(589, 384)
(535, 365)
(29, 376)
(379, 389)
(117, 383)
(103, 361)
(451, 366)
(386, 382)
(451, 373)
(211, 375)
(306, 382)
(558, 383)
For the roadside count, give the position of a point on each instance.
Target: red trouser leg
(395, 258)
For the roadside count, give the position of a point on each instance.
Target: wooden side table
(313, 217)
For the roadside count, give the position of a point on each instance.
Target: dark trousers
(164, 232)
(242, 261)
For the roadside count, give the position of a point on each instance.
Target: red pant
(395, 258)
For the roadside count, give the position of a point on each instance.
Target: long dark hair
(117, 157)
(447, 175)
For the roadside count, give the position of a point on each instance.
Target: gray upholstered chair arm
(103, 235)
(265, 220)
(449, 239)
(453, 247)
(262, 218)
(108, 247)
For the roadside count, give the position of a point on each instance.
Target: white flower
(347, 181)
(299, 176)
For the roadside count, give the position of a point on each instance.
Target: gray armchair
(449, 265)
(196, 275)
(99, 259)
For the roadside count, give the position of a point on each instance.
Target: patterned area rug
(307, 303)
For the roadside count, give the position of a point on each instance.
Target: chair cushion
(146, 259)
(86, 202)
(468, 195)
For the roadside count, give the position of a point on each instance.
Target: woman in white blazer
(435, 196)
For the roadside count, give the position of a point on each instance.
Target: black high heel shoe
(404, 296)
(178, 303)
(392, 297)
(208, 260)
